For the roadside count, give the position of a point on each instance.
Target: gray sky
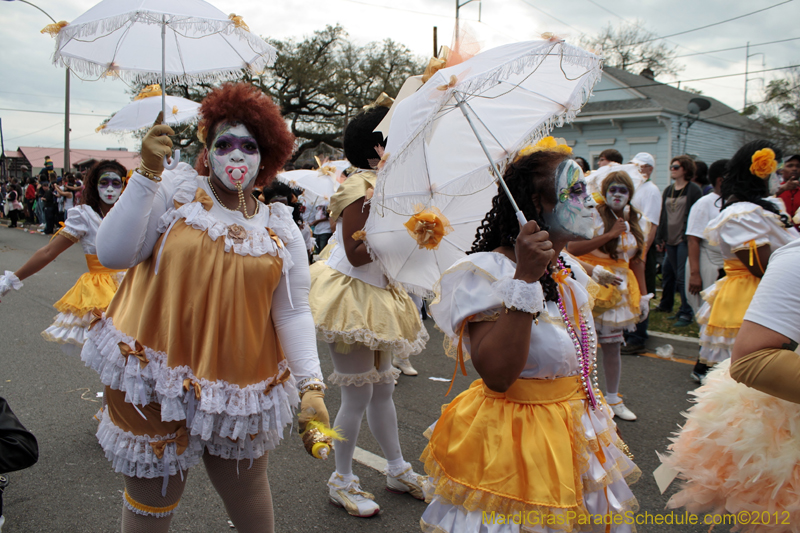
(31, 82)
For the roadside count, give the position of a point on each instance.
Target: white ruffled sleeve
(292, 316)
(76, 225)
(738, 228)
(476, 289)
(129, 232)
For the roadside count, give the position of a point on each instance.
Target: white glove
(9, 281)
(644, 306)
(605, 277)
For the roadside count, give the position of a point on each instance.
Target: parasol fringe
(87, 68)
(572, 55)
(180, 23)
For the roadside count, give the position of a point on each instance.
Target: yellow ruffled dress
(358, 304)
(742, 226)
(91, 293)
(188, 349)
(537, 457)
(616, 308)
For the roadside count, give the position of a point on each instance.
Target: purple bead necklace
(585, 348)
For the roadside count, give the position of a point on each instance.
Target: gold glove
(772, 370)
(156, 145)
(312, 407)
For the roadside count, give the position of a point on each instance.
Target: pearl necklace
(585, 349)
(241, 208)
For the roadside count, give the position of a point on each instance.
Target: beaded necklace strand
(585, 348)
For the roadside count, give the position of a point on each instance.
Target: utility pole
(435, 42)
(66, 97)
(748, 55)
(459, 5)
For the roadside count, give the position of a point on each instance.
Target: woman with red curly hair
(209, 344)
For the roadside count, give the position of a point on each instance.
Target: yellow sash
(96, 268)
(609, 297)
(732, 299)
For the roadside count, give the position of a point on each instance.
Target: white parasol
(449, 140)
(142, 112)
(318, 185)
(150, 41)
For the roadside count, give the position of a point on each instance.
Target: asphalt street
(73, 488)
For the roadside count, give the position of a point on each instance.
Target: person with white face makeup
(617, 245)
(519, 306)
(209, 345)
(94, 289)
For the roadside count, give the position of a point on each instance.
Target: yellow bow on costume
(188, 384)
(181, 441)
(97, 316)
(138, 353)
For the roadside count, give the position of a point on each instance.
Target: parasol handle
(176, 158)
(462, 106)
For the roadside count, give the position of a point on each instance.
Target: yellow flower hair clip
(764, 163)
(549, 144)
(598, 198)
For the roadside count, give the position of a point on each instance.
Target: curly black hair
(360, 137)
(740, 185)
(524, 177)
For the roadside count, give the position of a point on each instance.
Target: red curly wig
(245, 104)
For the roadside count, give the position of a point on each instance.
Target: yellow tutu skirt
(535, 448)
(347, 311)
(93, 290)
(616, 306)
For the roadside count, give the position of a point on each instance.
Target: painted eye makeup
(618, 190)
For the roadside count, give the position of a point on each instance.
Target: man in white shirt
(704, 263)
(647, 199)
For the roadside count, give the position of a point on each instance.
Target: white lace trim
(224, 409)
(256, 243)
(68, 329)
(9, 281)
(373, 376)
(132, 455)
(519, 294)
(401, 348)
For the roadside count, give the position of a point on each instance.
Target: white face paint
(617, 196)
(109, 186)
(234, 156)
(574, 206)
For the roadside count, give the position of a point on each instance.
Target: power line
(655, 84)
(711, 25)
(59, 123)
(739, 47)
(51, 112)
(551, 16)
(635, 23)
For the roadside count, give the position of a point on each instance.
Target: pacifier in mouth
(236, 174)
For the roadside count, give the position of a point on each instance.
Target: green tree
(323, 80)
(780, 111)
(624, 47)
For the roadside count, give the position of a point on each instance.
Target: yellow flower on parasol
(428, 227)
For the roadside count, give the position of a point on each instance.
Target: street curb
(684, 347)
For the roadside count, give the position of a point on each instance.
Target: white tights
(374, 398)
(612, 366)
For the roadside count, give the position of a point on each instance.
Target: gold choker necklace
(241, 208)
